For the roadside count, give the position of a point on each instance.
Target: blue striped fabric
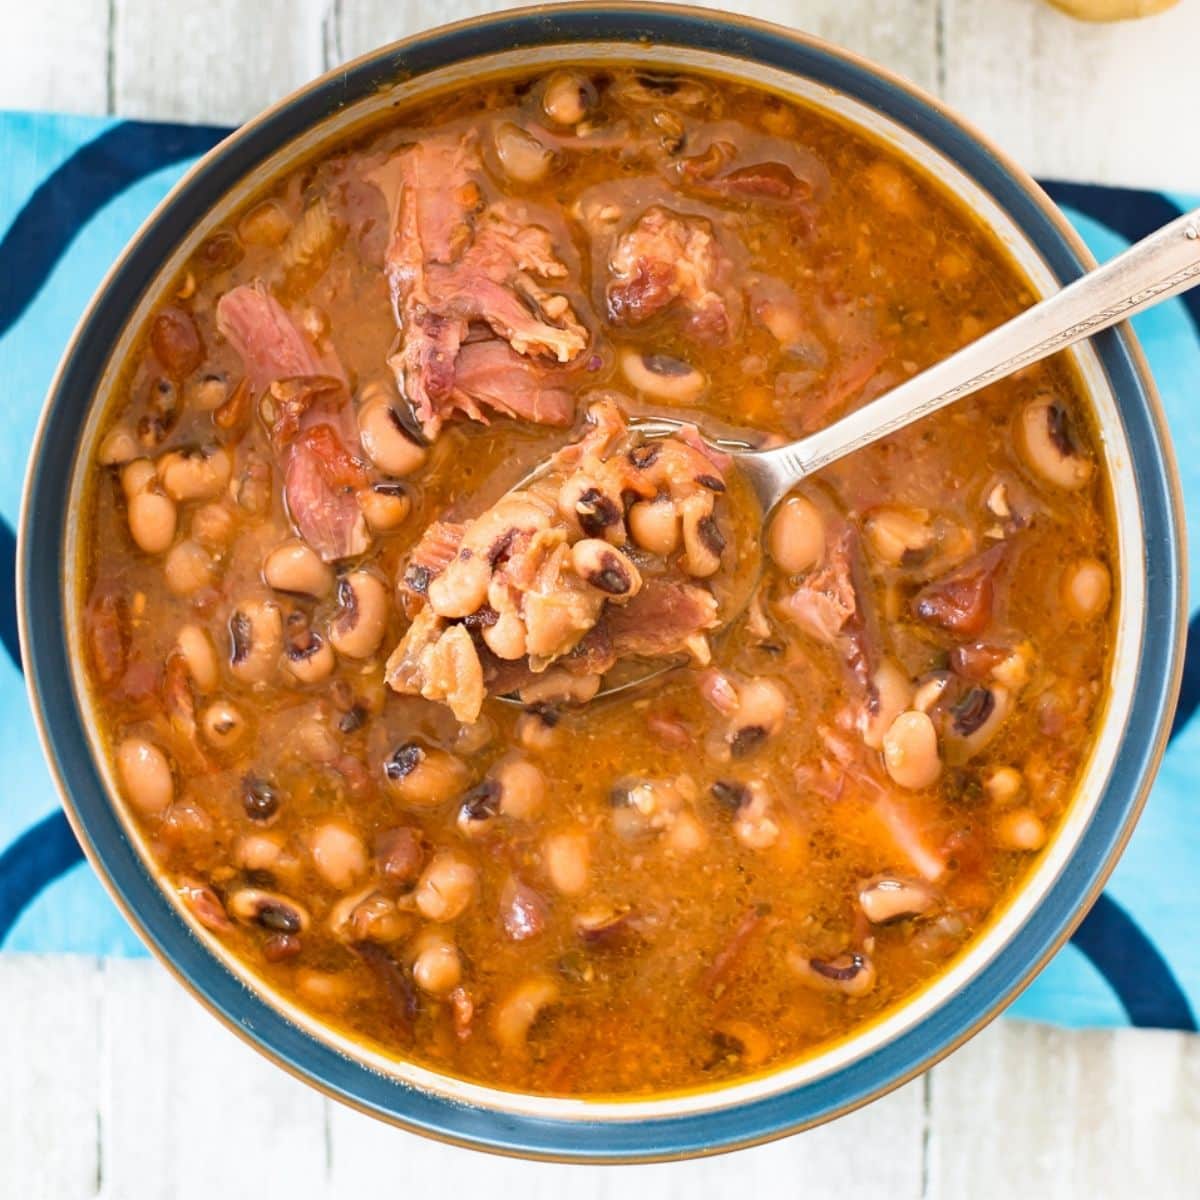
(75, 189)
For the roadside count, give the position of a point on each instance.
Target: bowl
(1069, 873)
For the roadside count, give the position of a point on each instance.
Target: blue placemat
(73, 190)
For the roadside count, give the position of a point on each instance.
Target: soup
(378, 528)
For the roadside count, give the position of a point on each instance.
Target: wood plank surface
(55, 56)
(114, 1083)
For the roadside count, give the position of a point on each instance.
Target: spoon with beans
(1160, 266)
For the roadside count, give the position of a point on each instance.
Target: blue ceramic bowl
(989, 973)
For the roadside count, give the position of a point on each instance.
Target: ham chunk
(548, 577)
(313, 426)
(456, 265)
(667, 261)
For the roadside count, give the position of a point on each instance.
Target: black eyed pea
(897, 533)
(522, 156)
(539, 729)
(446, 888)
(893, 694)
(1003, 785)
(887, 898)
(145, 775)
(385, 505)
(663, 377)
(258, 851)
(850, 974)
(384, 439)
(762, 707)
(423, 776)
(152, 516)
(256, 641)
(568, 97)
(514, 1016)
(188, 568)
(703, 541)
(361, 620)
(1086, 589)
(1019, 829)
(294, 566)
(590, 509)
(506, 638)
(307, 656)
(754, 824)
(796, 537)
(910, 751)
(559, 686)
(436, 963)
(209, 394)
(522, 788)
(567, 859)
(1046, 445)
(654, 525)
(338, 854)
(606, 569)
(323, 989)
(268, 910)
(120, 446)
(188, 475)
(462, 587)
(222, 725)
(196, 648)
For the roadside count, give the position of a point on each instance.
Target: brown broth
(696, 981)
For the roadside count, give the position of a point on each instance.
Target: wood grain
(55, 56)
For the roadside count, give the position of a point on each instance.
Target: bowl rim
(136, 890)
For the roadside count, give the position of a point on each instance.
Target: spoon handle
(1159, 266)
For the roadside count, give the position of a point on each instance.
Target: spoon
(1159, 266)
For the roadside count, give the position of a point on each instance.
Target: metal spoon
(1159, 266)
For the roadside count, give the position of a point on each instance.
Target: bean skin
(145, 776)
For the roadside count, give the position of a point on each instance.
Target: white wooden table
(113, 1083)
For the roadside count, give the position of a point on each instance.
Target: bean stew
(350, 656)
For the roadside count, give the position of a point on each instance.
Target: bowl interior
(905, 1039)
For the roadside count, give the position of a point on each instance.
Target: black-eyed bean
(479, 809)
(368, 916)
(568, 97)
(654, 525)
(591, 509)
(436, 963)
(188, 475)
(447, 887)
(514, 1016)
(1086, 589)
(888, 898)
(851, 974)
(209, 393)
(606, 568)
(754, 824)
(188, 567)
(1048, 447)
(325, 989)
(145, 776)
(385, 505)
(897, 533)
(539, 729)
(686, 835)
(258, 851)
(307, 656)
(522, 788)
(423, 776)
(893, 694)
(294, 566)
(268, 910)
(559, 686)
(910, 751)
(361, 620)
(384, 439)
(256, 641)
(505, 638)
(974, 720)
(522, 156)
(120, 446)
(1003, 785)
(223, 725)
(195, 646)
(152, 520)
(1019, 829)
(796, 537)
(338, 854)
(663, 377)
(461, 588)
(703, 541)
(567, 859)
